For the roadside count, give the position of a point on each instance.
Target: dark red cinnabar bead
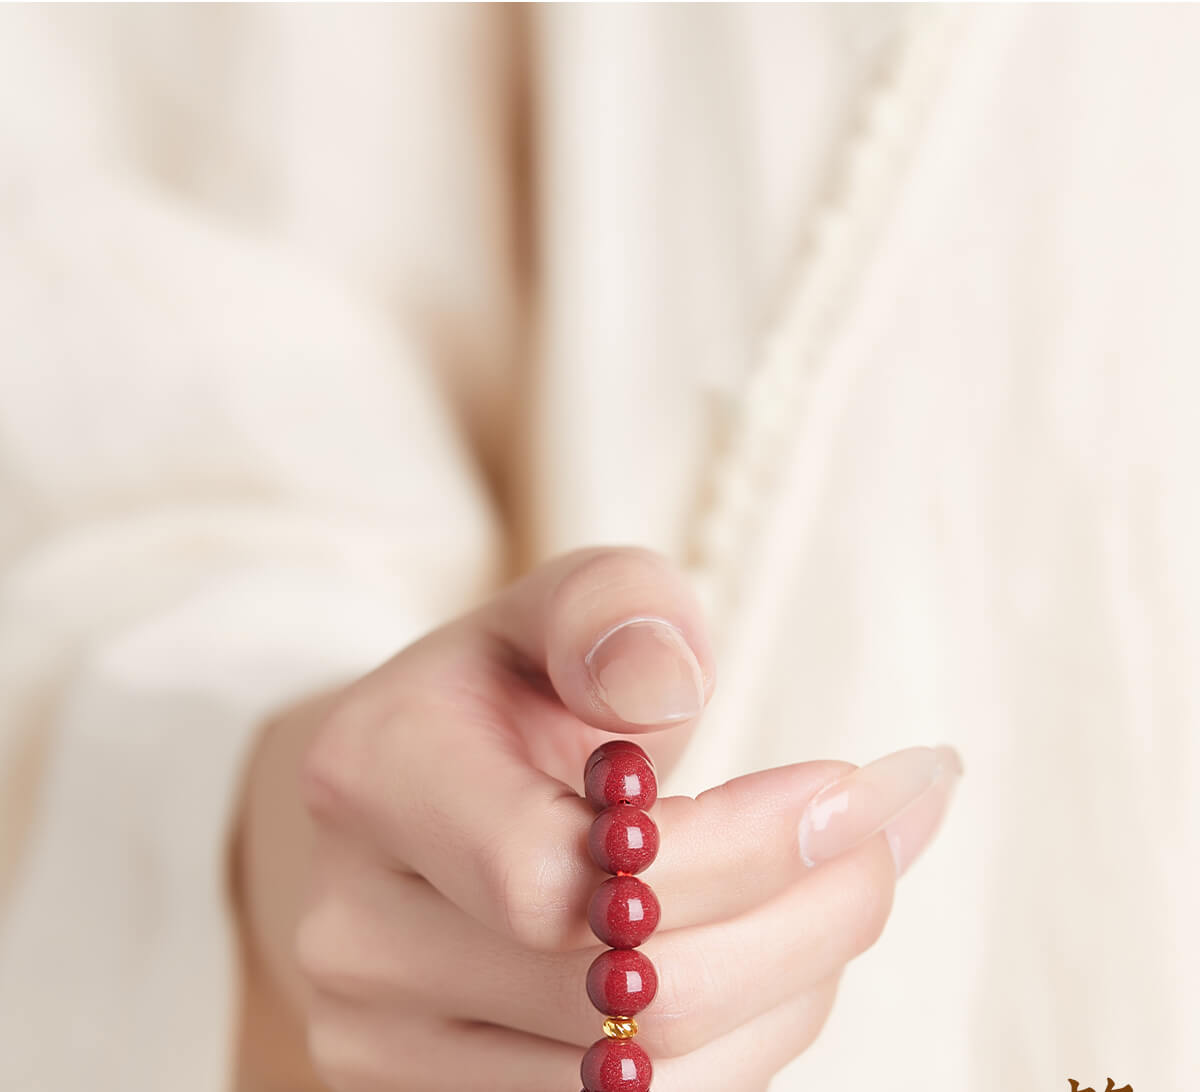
(621, 982)
(623, 839)
(621, 776)
(623, 912)
(616, 1065)
(612, 746)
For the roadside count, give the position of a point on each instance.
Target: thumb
(619, 634)
(418, 756)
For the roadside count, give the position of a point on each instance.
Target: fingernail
(645, 672)
(913, 829)
(872, 799)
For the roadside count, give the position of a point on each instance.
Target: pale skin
(412, 882)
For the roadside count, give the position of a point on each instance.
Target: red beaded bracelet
(619, 782)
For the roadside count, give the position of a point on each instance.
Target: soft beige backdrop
(316, 322)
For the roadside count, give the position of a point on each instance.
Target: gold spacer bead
(620, 1027)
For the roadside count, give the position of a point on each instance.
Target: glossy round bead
(622, 776)
(623, 912)
(616, 1065)
(623, 839)
(621, 982)
(611, 747)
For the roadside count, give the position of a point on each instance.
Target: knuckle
(320, 946)
(313, 951)
(329, 770)
(529, 887)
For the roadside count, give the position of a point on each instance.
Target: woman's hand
(439, 910)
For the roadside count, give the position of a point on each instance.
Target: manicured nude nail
(873, 798)
(646, 673)
(913, 829)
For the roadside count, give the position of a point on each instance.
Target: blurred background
(318, 323)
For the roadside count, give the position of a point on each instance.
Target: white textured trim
(770, 416)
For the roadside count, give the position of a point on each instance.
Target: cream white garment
(315, 323)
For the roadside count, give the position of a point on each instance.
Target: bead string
(620, 783)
